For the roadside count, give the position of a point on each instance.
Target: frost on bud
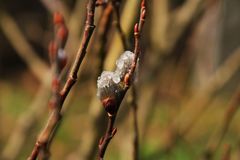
(111, 84)
(124, 63)
(109, 90)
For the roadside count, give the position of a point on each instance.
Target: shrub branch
(45, 138)
(115, 101)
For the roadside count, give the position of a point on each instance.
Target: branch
(137, 34)
(134, 107)
(86, 149)
(55, 117)
(100, 48)
(116, 5)
(134, 94)
(104, 141)
(89, 28)
(111, 93)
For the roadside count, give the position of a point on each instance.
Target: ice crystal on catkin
(124, 63)
(109, 84)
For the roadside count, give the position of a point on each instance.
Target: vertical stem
(135, 124)
(104, 141)
(46, 137)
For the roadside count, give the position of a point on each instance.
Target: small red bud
(58, 18)
(62, 34)
(136, 28)
(126, 79)
(143, 4)
(143, 14)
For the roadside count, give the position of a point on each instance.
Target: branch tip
(143, 14)
(143, 4)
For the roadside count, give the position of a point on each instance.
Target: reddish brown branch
(135, 124)
(116, 5)
(89, 28)
(45, 138)
(104, 141)
(111, 104)
(137, 34)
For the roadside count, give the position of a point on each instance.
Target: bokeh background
(187, 87)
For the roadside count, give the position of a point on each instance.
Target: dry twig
(89, 139)
(112, 103)
(55, 117)
(135, 124)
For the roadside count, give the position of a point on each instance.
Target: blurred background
(187, 88)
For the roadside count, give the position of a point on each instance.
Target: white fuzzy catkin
(108, 83)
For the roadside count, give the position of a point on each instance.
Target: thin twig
(102, 34)
(112, 105)
(137, 32)
(55, 116)
(134, 96)
(86, 149)
(110, 132)
(89, 28)
(133, 103)
(135, 124)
